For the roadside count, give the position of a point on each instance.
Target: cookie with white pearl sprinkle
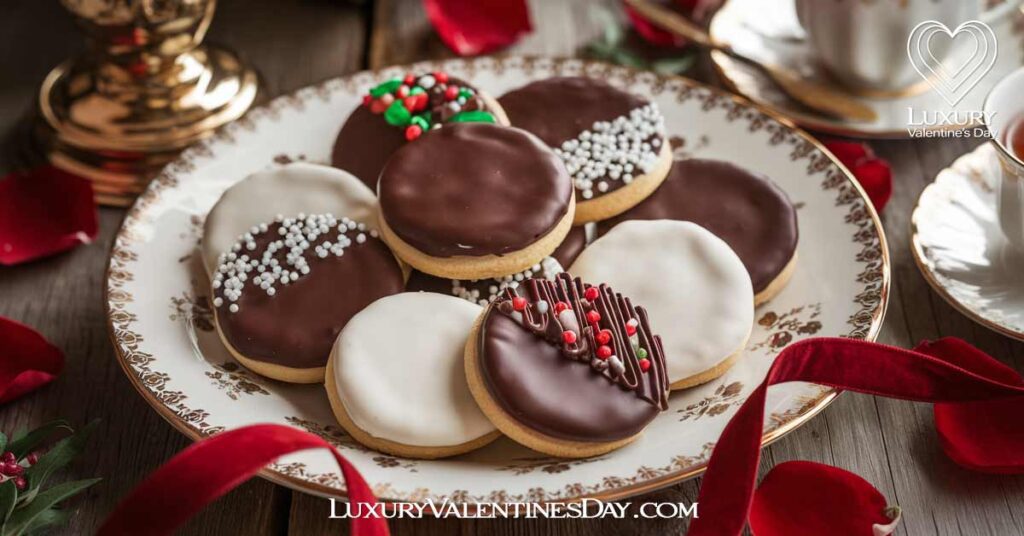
(611, 141)
(285, 289)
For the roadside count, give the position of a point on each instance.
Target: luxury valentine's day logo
(952, 80)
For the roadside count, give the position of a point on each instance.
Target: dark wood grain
(297, 42)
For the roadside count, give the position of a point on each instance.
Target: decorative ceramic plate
(768, 31)
(960, 249)
(160, 318)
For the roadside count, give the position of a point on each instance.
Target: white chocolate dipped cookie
(695, 289)
(289, 190)
(396, 380)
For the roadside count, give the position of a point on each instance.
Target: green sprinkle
(385, 88)
(474, 116)
(397, 114)
(641, 353)
(419, 120)
(465, 92)
(416, 90)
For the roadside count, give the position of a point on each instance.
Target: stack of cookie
(423, 278)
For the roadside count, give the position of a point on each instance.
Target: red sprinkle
(409, 79)
(402, 91)
(451, 92)
(630, 327)
(604, 352)
(604, 336)
(441, 77)
(367, 99)
(593, 317)
(560, 306)
(591, 293)
(569, 336)
(378, 106)
(519, 303)
(645, 364)
(412, 132)
(410, 102)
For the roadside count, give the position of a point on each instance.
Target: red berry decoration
(519, 303)
(410, 103)
(591, 293)
(451, 93)
(8, 457)
(402, 91)
(569, 336)
(645, 364)
(32, 458)
(604, 352)
(604, 336)
(441, 77)
(409, 80)
(560, 306)
(13, 469)
(20, 483)
(412, 132)
(367, 99)
(593, 317)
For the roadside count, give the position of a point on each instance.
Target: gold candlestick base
(146, 91)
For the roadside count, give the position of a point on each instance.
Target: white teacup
(1003, 107)
(863, 43)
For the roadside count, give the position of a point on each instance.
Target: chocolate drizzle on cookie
(594, 325)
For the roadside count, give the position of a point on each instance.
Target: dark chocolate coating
(366, 142)
(561, 108)
(745, 209)
(474, 189)
(539, 387)
(364, 145)
(298, 326)
(567, 252)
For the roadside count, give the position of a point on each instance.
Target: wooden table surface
(294, 43)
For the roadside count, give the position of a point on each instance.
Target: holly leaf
(25, 444)
(60, 455)
(47, 519)
(8, 498)
(23, 518)
(3, 442)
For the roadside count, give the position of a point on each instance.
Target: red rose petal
(27, 360)
(873, 173)
(986, 436)
(42, 212)
(651, 33)
(806, 498)
(471, 27)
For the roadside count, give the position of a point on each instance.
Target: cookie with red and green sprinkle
(400, 110)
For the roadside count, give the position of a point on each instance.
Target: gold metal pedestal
(146, 90)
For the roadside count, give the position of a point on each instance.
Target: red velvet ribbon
(27, 360)
(949, 372)
(203, 472)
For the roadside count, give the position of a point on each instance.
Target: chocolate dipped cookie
(475, 201)
(287, 287)
(400, 110)
(612, 141)
(565, 368)
(484, 291)
(745, 209)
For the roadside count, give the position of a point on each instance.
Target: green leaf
(3, 442)
(60, 455)
(24, 517)
(47, 519)
(25, 444)
(8, 498)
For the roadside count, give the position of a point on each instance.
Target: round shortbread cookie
(475, 200)
(565, 368)
(286, 288)
(396, 380)
(286, 190)
(612, 141)
(694, 287)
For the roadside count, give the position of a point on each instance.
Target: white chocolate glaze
(398, 367)
(694, 287)
(287, 190)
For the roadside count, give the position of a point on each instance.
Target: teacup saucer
(960, 249)
(768, 31)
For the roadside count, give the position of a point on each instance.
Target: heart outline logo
(952, 84)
